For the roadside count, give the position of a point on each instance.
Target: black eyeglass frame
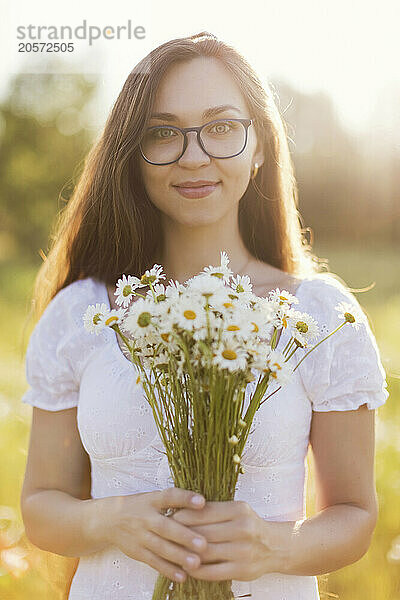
(185, 130)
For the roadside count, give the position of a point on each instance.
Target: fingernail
(198, 542)
(197, 500)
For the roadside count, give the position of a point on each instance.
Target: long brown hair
(109, 225)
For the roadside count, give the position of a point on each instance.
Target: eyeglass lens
(222, 138)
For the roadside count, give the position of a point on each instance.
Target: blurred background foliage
(349, 191)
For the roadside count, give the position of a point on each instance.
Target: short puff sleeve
(345, 371)
(49, 358)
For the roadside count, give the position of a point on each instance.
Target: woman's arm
(343, 446)
(56, 506)
(57, 522)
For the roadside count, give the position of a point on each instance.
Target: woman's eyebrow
(208, 113)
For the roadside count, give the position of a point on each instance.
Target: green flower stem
(152, 291)
(320, 342)
(288, 345)
(124, 339)
(273, 339)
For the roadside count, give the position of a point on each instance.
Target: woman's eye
(221, 127)
(162, 132)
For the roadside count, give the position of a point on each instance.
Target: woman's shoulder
(71, 301)
(61, 322)
(59, 347)
(322, 291)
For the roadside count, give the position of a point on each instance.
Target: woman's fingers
(218, 532)
(164, 567)
(216, 572)
(213, 512)
(170, 551)
(166, 527)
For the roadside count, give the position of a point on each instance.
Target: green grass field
(25, 571)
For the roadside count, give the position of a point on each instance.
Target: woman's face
(187, 90)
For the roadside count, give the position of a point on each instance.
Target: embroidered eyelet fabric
(66, 367)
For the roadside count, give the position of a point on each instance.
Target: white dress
(66, 367)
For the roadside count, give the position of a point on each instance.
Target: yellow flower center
(255, 328)
(229, 354)
(189, 314)
(227, 304)
(96, 318)
(165, 337)
(111, 319)
(301, 326)
(127, 290)
(148, 278)
(349, 317)
(233, 328)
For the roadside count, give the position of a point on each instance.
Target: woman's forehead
(191, 88)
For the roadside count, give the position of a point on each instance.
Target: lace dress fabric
(68, 367)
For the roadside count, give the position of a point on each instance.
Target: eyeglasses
(221, 138)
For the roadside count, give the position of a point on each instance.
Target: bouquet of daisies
(196, 346)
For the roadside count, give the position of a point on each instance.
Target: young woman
(193, 160)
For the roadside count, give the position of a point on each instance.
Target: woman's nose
(194, 153)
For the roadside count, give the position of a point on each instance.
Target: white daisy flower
(259, 354)
(92, 316)
(303, 327)
(263, 315)
(281, 371)
(159, 291)
(222, 272)
(189, 314)
(125, 289)
(282, 297)
(237, 325)
(242, 286)
(282, 316)
(138, 321)
(350, 313)
(223, 300)
(174, 289)
(112, 317)
(163, 317)
(204, 285)
(230, 355)
(152, 275)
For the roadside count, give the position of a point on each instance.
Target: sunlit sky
(348, 49)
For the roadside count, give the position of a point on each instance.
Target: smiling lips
(196, 189)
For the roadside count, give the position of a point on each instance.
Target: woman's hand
(133, 524)
(240, 544)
